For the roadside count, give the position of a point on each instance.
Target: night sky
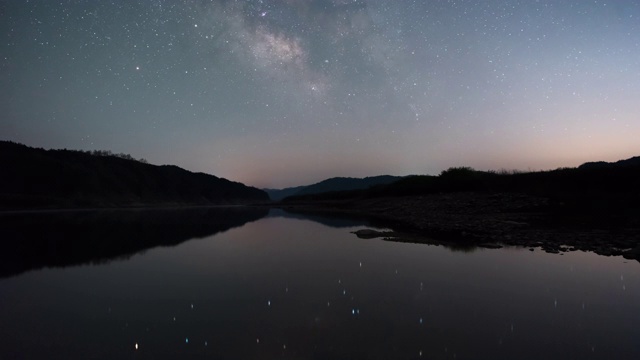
(290, 92)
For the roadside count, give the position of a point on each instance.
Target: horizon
(313, 182)
(276, 95)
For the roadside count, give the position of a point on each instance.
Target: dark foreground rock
(372, 234)
(632, 254)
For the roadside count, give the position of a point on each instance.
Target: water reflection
(332, 219)
(63, 238)
(296, 289)
(403, 232)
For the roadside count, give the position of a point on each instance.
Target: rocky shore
(498, 219)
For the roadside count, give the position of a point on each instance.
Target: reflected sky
(292, 288)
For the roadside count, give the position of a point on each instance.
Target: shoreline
(459, 220)
(491, 220)
(167, 206)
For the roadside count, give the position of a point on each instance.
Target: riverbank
(496, 219)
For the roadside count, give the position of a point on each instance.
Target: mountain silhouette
(279, 194)
(38, 178)
(331, 185)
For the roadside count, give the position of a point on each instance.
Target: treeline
(90, 152)
(100, 153)
(120, 155)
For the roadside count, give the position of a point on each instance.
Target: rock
(371, 234)
(632, 254)
(516, 223)
(490, 246)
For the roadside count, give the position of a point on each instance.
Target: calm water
(237, 285)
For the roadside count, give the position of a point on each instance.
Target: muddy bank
(492, 220)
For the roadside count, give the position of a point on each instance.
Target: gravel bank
(491, 220)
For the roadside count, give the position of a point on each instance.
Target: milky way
(280, 93)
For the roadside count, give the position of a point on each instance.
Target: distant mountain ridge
(38, 178)
(279, 194)
(332, 184)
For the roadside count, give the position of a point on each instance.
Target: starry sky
(277, 93)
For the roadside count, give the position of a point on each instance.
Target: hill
(38, 178)
(631, 162)
(588, 181)
(332, 184)
(279, 194)
(591, 207)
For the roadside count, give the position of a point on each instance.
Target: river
(248, 284)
